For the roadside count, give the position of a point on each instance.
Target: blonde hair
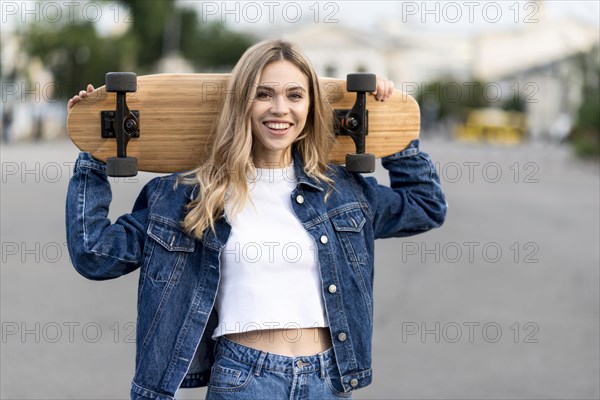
(222, 178)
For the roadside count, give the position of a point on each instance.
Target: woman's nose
(279, 105)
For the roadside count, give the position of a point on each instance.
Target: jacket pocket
(167, 250)
(230, 376)
(352, 220)
(348, 226)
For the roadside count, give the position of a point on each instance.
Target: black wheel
(121, 166)
(361, 82)
(121, 82)
(360, 162)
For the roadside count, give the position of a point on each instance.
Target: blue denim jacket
(179, 274)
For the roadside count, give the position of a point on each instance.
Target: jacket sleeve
(413, 203)
(98, 249)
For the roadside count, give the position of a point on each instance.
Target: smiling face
(279, 113)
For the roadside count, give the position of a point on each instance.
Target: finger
(382, 89)
(379, 87)
(73, 101)
(386, 87)
(90, 88)
(389, 90)
(376, 91)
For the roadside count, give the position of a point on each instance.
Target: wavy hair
(222, 177)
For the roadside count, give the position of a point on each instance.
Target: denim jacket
(179, 274)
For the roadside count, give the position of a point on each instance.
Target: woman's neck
(273, 160)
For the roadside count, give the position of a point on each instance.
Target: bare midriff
(287, 342)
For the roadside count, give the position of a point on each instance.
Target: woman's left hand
(384, 89)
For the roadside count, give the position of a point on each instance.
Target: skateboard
(161, 123)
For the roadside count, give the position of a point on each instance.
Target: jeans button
(299, 199)
(342, 337)
(324, 239)
(354, 382)
(332, 288)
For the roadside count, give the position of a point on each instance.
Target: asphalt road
(502, 302)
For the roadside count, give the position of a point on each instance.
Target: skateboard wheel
(360, 162)
(361, 82)
(121, 82)
(121, 166)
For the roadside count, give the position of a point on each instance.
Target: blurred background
(501, 302)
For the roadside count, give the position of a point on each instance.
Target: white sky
(453, 16)
(456, 16)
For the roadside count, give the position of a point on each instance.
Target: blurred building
(401, 54)
(537, 64)
(542, 63)
(30, 106)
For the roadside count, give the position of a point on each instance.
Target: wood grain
(177, 111)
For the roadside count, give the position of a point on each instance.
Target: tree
(585, 135)
(159, 28)
(76, 55)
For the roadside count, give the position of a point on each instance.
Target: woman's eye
(262, 95)
(296, 96)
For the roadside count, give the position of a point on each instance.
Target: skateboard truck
(121, 124)
(354, 122)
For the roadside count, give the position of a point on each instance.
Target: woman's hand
(82, 94)
(384, 89)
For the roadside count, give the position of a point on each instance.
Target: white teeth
(273, 125)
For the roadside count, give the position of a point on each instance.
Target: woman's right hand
(82, 94)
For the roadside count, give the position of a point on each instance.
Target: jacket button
(354, 382)
(324, 239)
(299, 199)
(332, 288)
(342, 337)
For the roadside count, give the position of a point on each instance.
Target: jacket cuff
(85, 160)
(410, 150)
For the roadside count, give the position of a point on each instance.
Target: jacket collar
(301, 176)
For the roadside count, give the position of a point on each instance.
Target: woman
(256, 269)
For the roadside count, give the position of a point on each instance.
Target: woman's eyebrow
(287, 87)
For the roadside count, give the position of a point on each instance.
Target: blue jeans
(240, 372)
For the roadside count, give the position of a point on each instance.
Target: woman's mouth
(278, 128)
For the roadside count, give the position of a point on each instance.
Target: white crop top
(269, 268)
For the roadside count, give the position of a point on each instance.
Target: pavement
(502, 302)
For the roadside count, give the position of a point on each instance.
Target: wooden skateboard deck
(177, 111)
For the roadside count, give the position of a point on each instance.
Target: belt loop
(260, 362)
(322, 362)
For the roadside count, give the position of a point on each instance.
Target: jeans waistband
(274, 362)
